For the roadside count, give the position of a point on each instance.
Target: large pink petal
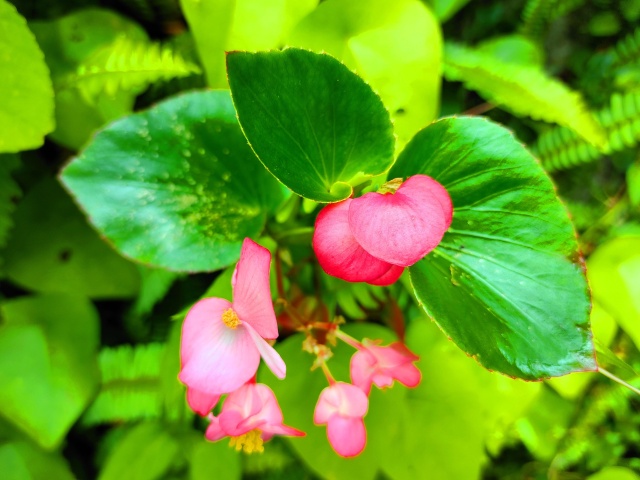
(422, 182)
(216, 359)
(347, 435)
(201, 402)
(390, 277)
(400, 228)
(251, 289)
(338, 252)
(271, 357)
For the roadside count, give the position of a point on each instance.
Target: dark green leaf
(9, 193)
(506, 283)
(176, 186)
(53, 249)
(26, 111)
(47, 363)
(314, 124)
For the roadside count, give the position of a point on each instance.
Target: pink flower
(373, 237)
(342, 407)
(373, 364)
(222, 342)
(250, 415)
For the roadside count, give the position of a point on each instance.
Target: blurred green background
(89, 340)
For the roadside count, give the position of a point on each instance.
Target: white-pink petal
(268, 353)
(251, 289)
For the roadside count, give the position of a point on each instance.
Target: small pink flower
(373, 364)
(222, 342)
(373, 237)
(250, 415)
(342, 407)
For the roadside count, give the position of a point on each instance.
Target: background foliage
(90, 329)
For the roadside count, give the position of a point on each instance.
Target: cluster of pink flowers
(220, 351)
(372, 239)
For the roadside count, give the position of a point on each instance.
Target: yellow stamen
(230, 318)
(249, 442)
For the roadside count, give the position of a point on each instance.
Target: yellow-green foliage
(130, 388)
(560, 148)
(525, 90)
(127, 65)
(538, 13)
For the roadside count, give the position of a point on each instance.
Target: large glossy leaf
(26, 111)
(314, 124)
(395, 46)
(48, 367)
(176, 186)
(54, 250)
(506, 283)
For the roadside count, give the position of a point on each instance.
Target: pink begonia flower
(342, 407)
(250, 415)
(373, 364)
(373, 237)
(222, 342)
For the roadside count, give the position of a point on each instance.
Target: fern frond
(127, 65)
(130, 388)
(538, 13)
(627, 50)
(525, 90)
(560, 148)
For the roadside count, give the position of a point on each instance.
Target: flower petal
(214, 431)
(389, 277)
(403, 227)
(215, 359)
(340, 399)
(271, 357)
(201, 402)
(338, 252)
(347, 435)
(361, 369)
(252, 291)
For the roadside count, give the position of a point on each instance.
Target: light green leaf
(145, 453)
(54, 250)
(458, 407)
(175, 186)
(24, 461)
(524, 90)
(614, 276)
(633, 183)
(614, 473)
(26, 112)
(506, 283)
(67, 43)
(315, 125)
(47, 363)
(394, 46)
(219, 26)
(445, 9)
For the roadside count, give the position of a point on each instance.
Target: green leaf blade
(176, 186)
(26, 113)
(506, 283)
(314, 124)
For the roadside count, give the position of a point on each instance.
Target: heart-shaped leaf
(506, 283)
(314, 124)
(47, 363)
(176, 186)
